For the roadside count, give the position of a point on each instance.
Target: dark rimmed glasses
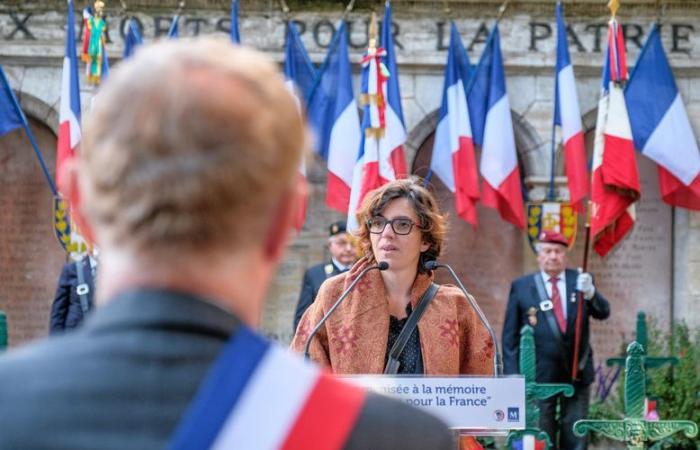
(400, 225)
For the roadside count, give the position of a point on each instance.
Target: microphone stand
(497, 358)
(381, 266)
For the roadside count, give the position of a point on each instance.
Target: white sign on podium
(464, 402)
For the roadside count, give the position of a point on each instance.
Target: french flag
(299, 74)
(395, 133)
(492, 129)
(660, 125)
(615, 181)
(528, 442)
(453, 157)
(567, 115)
(333, 118)
(259, 396)
(69, 112)
(368, 173)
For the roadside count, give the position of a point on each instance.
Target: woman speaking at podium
(399, 224)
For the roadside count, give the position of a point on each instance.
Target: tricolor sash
(259, 396)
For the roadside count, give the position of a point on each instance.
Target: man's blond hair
(190, 145)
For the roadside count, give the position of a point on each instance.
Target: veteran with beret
(342, 256)
(546, 300)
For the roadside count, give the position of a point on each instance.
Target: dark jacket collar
(162, 308)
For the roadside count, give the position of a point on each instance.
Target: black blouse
(411, 359)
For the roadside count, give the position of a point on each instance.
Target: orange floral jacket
(354, 339)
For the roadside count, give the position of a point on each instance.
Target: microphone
(497, 359)
(380, 266)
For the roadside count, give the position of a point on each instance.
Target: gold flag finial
(613, 6)
(372, 34)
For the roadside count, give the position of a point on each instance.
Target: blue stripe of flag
(235, 34)
(563, 60)
(487, 86)
(387, 41)
(220, 391)
(9, 118)
(73, 59)
(652, 74)
(332, 91)
(297, 65)
(458, 67)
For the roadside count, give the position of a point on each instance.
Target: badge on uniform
(328, 268)
(532, 316)
(546, 305)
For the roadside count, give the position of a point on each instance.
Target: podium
(484, 406)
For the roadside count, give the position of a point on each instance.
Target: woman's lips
(388, 248)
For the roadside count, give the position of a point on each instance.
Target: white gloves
(584, 284)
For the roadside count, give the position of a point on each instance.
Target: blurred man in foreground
(187, 182)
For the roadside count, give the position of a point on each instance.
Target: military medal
(532, 316)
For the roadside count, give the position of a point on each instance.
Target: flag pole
(550, 194)
(579, 296)
(25, 124)
(613, 5)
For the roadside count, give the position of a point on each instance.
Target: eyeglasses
(400, 225)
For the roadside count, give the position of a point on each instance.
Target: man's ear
(70, 190)
(280, 226)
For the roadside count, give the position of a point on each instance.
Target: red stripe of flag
(466, 181)
(576, 171)
(674, 192)
(328, 416)
(507, 199)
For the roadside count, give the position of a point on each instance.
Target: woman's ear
(424, 246)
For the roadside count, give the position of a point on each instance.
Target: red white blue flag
(567, 115)
(69, 112)
(381, 157)
(528, 442)
(615, 181)
(260, 396)
(333, 118)
(453, 159)
(660, 125)
(492, 129)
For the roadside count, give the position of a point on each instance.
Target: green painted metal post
(534, 391)
(650, 362)
(634, 430)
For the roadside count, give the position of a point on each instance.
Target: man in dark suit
(547, 300)
(190, 197)
(343, 256)
(74, 294)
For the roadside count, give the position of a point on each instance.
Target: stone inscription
(31, 258)
(317, 31)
